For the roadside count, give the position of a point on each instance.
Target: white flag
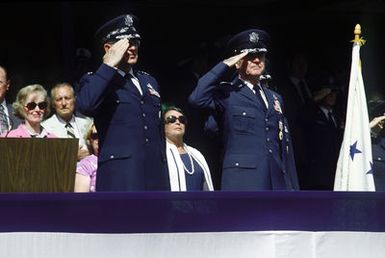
(354, 167)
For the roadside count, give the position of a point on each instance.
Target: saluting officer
(257, 147)
(125, 105)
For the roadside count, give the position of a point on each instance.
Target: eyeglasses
(32, 105)
(172, 119)
(94, 136)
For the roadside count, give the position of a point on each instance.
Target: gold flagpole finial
(357, 35)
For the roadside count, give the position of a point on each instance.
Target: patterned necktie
(70, 131)
(3, 120)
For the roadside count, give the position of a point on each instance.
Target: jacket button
(270, 151)
(117, 101)
(237, 164)
(111, 156)
(244, 113)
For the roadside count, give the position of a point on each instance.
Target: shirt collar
(72, 121)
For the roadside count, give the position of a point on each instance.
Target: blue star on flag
(354, 150)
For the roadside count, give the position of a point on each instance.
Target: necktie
(304, 92)
(330, 118)
(70, 131)
(135, 81)
(3, 120)
(258, 92)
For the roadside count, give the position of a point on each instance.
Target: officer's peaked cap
(120, 27)
(253, 40)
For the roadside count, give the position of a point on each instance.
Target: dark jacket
(254, 156)
(131, 139)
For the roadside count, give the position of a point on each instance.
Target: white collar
(61, 120)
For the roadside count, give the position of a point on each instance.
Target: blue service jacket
(378, 152)
(131, 140)
(254, 158)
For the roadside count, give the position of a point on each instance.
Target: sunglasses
(172, 119)
(94, 136)
(32, 105)
(135, 42)
(258, 55)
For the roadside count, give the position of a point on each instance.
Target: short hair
(61, 85)
(167, 108)
(5, 71)
(21, 98)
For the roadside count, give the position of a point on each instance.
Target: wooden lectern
(37, 165)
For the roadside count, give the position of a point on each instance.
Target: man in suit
(125, 105)
(65, 123)
(257, 147)
(323, 134)
(296, 93)
(8, 120)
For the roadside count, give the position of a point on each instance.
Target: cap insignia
(253, 37)
(128, 20)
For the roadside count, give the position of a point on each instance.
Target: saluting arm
(203, 95)
(94, 88)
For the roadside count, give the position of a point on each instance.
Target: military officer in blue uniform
(258, 153)
(125, 105)
(377, 122)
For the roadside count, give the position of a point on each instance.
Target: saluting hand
(231, 61)
(377, 121)
(114, 53)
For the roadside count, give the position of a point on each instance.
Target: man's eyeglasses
(94, 136)
(32, 105)
(172, 119)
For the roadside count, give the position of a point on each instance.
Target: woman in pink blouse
(86, 168)
(32, 106)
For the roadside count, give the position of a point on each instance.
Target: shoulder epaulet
(231, 84)
(89, 73)
(143, 72)
(223, 83)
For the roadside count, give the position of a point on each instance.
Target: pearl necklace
(192, 163)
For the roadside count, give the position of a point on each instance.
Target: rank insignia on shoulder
(142, 72)
(90, 73)
(223, 83)
(152, 91)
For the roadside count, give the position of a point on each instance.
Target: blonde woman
(31, 106)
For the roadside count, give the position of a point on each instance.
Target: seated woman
(86, 168)
(188, 169)
(31, 106)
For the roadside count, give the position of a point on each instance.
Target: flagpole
(354, 172)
